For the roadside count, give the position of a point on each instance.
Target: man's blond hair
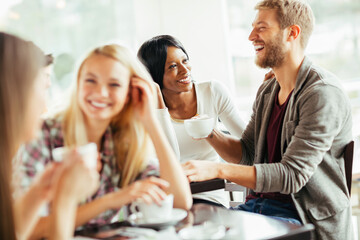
(292, 12)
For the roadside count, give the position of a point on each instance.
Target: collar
(107, 145)
(302, 74)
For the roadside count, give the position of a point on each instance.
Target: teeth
(185, 79)
(258, 47)
(97, 104)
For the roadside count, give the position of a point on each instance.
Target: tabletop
(206, 222)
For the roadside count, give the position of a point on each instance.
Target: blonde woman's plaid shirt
(35, 155)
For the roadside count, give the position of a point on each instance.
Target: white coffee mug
(199, 127)
(88, 152)
(153, 211)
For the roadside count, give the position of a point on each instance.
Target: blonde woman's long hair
(131, 140)
(20, 62)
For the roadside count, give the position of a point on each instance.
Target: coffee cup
(153, 211)
(199, 127)
(88, 152)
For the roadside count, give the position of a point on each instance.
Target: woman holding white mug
(112, 106)
(181, 98)
(22, 97)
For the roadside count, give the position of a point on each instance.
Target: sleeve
(247, 140)
(323, 111)
(248, 137)
(227, 111)
(33, 158)
(164, 119)
(152, 169)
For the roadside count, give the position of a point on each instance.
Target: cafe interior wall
(218, 46)
(214, 32)
(200, 25)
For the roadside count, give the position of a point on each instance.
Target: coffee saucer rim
(176, 216)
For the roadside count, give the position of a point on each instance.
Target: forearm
(92, 209)
(42, 229)
(62, 219)
(170, 168)
(164, 118)
(228, 147)
(26, 212)
(84, 213)
(239, 174)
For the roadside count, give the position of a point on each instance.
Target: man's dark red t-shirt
(273, 138)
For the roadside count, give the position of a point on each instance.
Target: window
(68, 29)
(334, 45)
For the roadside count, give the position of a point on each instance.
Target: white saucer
(176, 216)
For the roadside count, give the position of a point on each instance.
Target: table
(208, 185)
(237, 225)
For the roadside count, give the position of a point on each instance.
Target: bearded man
(291, 152)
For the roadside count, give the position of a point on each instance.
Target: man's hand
(269, 75)
(201, 170)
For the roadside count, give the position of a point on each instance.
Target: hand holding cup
(199, 126)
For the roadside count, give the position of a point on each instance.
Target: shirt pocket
(324, 211)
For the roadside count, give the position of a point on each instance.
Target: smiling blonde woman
(112, 105)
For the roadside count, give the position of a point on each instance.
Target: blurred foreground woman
(22, 97)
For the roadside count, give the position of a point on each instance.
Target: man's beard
(274, 54)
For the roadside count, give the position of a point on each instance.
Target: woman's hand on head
(143, 99)
(150, 190)
(200, 170)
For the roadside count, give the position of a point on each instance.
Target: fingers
(154, 194)
(149, 190)
(135, 95)
(143, 99)
(189, 166)
(269, 75)
(49, 171)
(159, 182)
(76, 179)
(144, 87)
(190, 170)
(193, 178)
(146, 198)
(157, 87)
(191, 175)
(198, 170)
(99, 163)
(142, 83)
(45, 182)
(71, 177)
(196, 139)
(95, 182)
(157, 191)
(88, 177)
(70, 157)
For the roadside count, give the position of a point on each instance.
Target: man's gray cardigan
(316, 128)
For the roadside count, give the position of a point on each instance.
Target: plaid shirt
(36, 154)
